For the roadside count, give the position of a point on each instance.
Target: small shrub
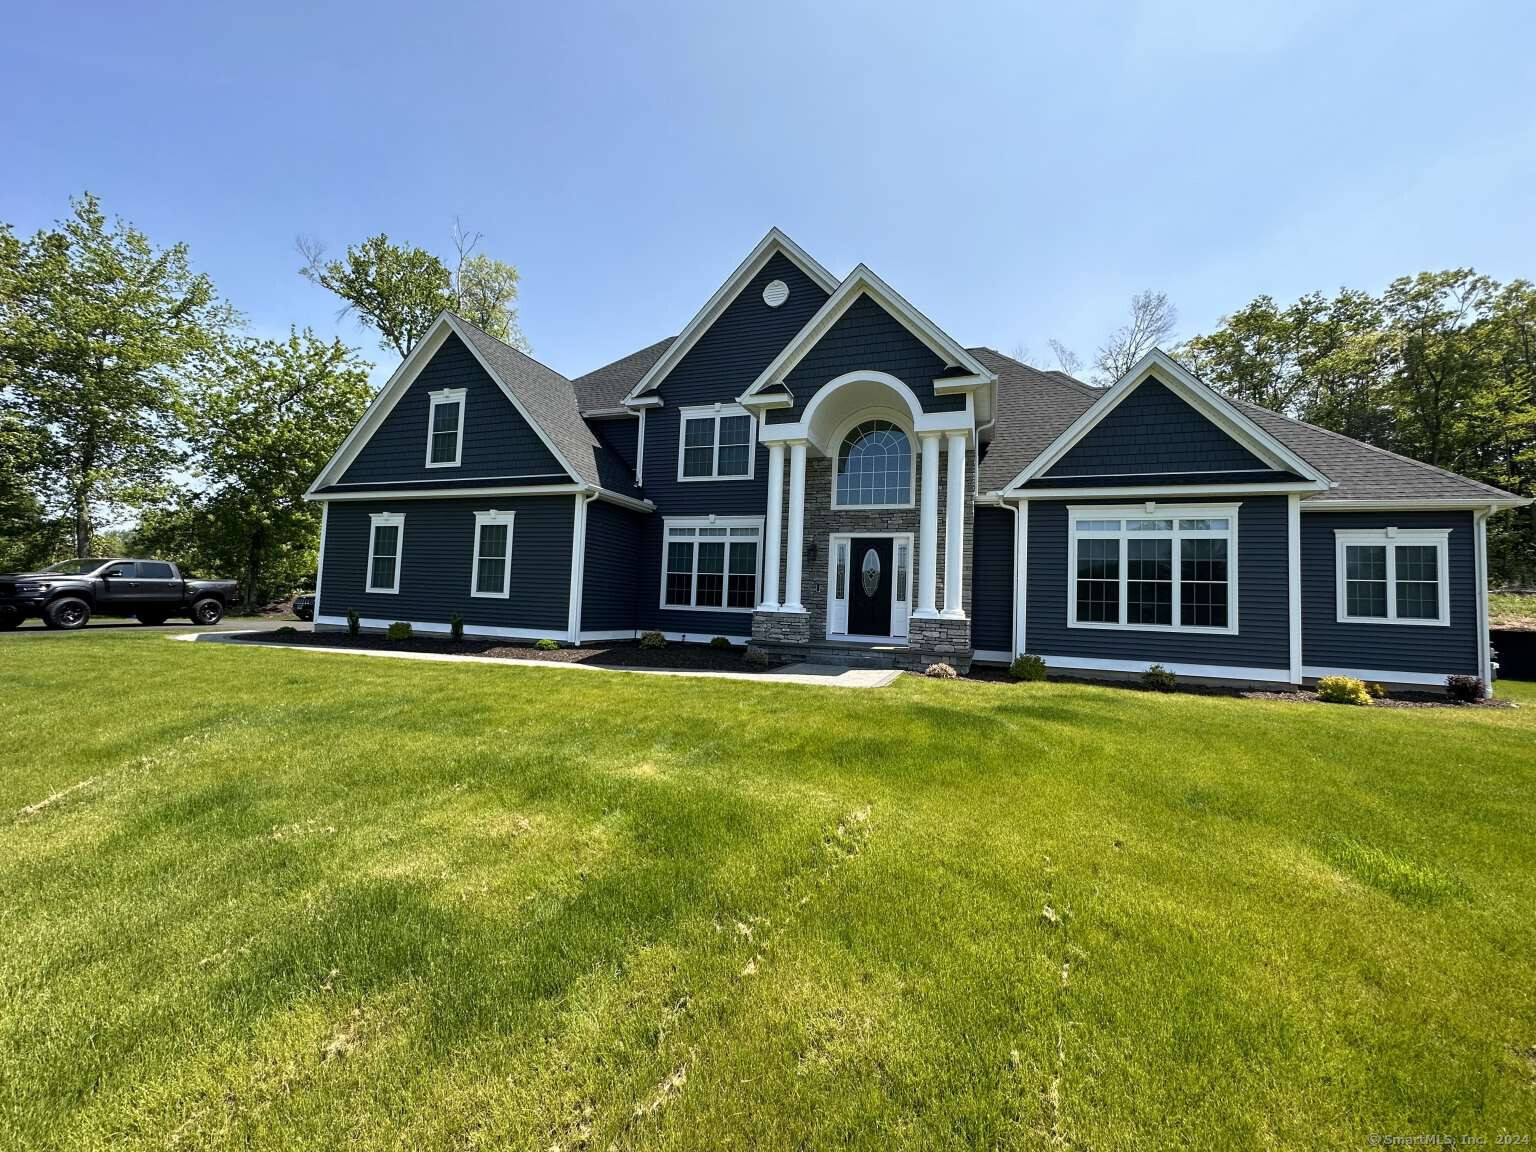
(1159, 679)
(940, 672)
(758, 658)
(720, 642)
(456, 627)
(287, 630)
(1465, 689)
(546, 644)
(354, 622)
(653, 640)
(1342, 690)
(1377, 691)
(399, 630)
(1027, 667)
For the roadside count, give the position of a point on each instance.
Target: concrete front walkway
(822, 675)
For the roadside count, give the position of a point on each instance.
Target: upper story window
(1393, 575)
(874, 467)
(1172, 569)
(386, 538)
(711, 562)
(493, 555)
(445, 428)
(715, 443)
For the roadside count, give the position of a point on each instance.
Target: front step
(839, 655)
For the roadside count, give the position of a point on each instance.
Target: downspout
(578, 563)
(325, 517)
(1480, 555)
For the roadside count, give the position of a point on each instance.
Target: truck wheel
(67, 613)
(151, 618)
(207, 611)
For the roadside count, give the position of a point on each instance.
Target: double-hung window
(492, 572)
(715, 443)
(711, 562)
(1393, 575)
(1169, 568)
(445, 428)
(386, 542)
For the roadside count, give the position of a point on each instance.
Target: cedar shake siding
(439, 549)
(610, 581)
(1154, 431)
(1263, 636)
(498, 443)
(1326, 643)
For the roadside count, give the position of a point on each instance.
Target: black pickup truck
(66, 594)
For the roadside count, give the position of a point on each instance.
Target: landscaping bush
(653, 640)
(399, 630)
(287, 630)
(546, 644)
(758, 658)
(354, 622)
(1377, 691)
(1027, 667)
(940, 672)
(1465, 689)
(1342, 690)
(720, 642)
(456, 627)
(1159, 679)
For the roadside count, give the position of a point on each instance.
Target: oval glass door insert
(869, 572)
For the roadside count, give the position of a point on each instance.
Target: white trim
(433, 626)
(990, 656)
(1152, 509)
(1210, 671)
(1156, 491)
(486, 481)
(1384, 676)
(726, 522)
(1388, 538)
(1480, 567)
(1492, 503)
(377, 520)
(640, 452)
(488, 518)
(607, 634)
(397, 386)
(578, 567)
(954, 527)
(498, 490)
(1205, 401)
(890, 416)
(1020, 577)
(456, 397)
(325, 520)
(863, 282)
(770, 244)
(1293, 580)
(716, 412)
(833, 538)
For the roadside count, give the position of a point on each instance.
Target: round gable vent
(776, 293)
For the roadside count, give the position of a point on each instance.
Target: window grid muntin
(1104, 530)
(716, 444)
(491, 565)
(874, 467)
(386, 549)
(445, 428)
(711, 566)
(1393, 576)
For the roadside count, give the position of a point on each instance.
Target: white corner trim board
(1208, 671)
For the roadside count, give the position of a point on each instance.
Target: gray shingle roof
(1033, 408)
(605, 387)
(550, 400)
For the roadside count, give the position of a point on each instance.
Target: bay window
(711, 562)
(1393, 575)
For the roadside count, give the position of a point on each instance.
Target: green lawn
(1512, 609)
(302, 900)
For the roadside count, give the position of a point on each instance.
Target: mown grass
(302, 900)
(1512, 609)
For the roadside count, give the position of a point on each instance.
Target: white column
(796, 543)
(774, 527)
(928, 530)
(954, 528)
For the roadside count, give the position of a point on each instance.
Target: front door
(871, 579)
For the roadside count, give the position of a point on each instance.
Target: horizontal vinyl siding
(867, 338)
(648, 610)
(498, 442)
(609, 577)
(992, 579)
(1263, 636)
(622, 435)
(1153, 430)
(1325, 643)
(438, 557)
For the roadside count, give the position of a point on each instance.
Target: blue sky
(1016, 170)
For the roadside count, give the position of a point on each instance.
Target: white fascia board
(861, 281)
(1158, 491)
(1409, 505)
(770, 244)
(1225, 416)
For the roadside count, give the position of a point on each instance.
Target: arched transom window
(874, 466)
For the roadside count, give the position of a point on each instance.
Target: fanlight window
(874, 466)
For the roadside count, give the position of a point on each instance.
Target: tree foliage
(98, 331)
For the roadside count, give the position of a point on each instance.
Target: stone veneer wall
(780, 627)
(821, 520)
(940, 641)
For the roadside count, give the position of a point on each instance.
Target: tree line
(131, 393)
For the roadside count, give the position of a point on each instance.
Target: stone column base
(781, 627)
(939, 642)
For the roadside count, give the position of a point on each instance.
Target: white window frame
(1155, 510)
(481, 520)
(438, 399)
(726, 522)
(377, 520)
(717, 412)
(1388, 538)
(846, 429)
(840, 544)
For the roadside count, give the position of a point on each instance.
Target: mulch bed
(619, 654)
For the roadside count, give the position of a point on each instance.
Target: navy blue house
(813, 467)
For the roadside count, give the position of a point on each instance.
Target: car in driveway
(65, 595)
(304, 606)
